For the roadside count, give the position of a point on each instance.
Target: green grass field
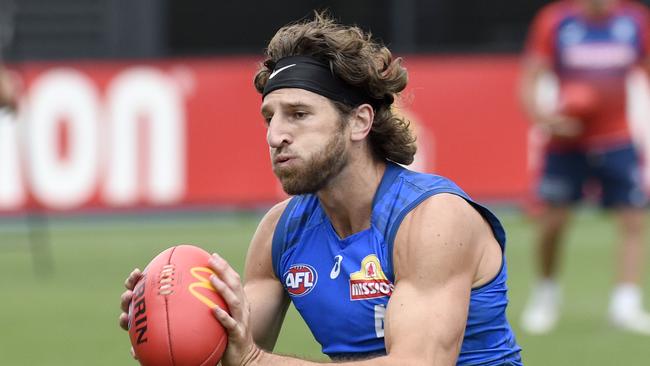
(69, 316)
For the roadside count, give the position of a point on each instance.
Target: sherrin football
(578, 100)
(170, 317)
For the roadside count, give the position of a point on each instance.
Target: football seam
(169, 334)
(215, 350)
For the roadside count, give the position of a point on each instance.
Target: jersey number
(380, 312)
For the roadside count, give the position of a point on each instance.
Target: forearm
(268, 308)
(262, 358)
(528, 95)
(533, 72)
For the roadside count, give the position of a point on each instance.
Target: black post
(403, 25)
(136, 29)
(38, 235)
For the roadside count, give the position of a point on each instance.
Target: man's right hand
(126, 297)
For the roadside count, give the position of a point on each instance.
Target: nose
(277, 133)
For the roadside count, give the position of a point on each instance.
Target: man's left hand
(241, 349)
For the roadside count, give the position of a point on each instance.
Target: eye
(267, 119)
(299, 115)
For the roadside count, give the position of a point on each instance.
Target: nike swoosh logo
(337, 267)
(280, 70)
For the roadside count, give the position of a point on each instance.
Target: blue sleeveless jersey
(341, 287)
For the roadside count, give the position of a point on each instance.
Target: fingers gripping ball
(170, 317)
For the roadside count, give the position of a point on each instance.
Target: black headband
(311, 74)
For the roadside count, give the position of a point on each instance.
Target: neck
(598, 9)
(347, 200)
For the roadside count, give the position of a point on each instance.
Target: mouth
(282, 159)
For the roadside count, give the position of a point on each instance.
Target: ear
(360, 122)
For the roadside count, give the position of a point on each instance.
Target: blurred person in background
(7, 90)
(401, 267)
(590, 46)
(8, 95)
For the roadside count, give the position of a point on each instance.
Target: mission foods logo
(300, 279)
(370, 282)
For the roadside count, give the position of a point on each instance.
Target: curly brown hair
(360, 61)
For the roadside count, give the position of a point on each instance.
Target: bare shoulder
(442, 214)
(442, 203)
(446, 236)
(270, 219)
(258, 259)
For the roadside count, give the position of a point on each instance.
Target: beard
(316, 172)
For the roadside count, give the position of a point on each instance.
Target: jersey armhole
(495, 225)
(279, 241)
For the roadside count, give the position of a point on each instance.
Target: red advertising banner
(96, 135)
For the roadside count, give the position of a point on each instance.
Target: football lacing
(166, 280)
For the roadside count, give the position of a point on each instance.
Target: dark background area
(406, 25)
(79, 29)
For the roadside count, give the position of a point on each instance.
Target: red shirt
(595, 54)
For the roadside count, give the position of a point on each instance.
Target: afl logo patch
(300, 279)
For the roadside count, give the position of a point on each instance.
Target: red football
(170, 317)
(578, 100)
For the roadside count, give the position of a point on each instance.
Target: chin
(294, 188)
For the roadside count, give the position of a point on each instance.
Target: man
(7, 91)
(590, 46)
(8, 97)
(387, 266)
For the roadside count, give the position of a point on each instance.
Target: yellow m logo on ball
(202, 274)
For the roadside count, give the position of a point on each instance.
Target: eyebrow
(292, 105)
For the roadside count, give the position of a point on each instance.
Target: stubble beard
(315, 173)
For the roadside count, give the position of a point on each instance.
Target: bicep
(538, 55)
(436, 258)
(536, 78)
(266, 296)
(540, 41)
(428, 322)
(269, 305)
